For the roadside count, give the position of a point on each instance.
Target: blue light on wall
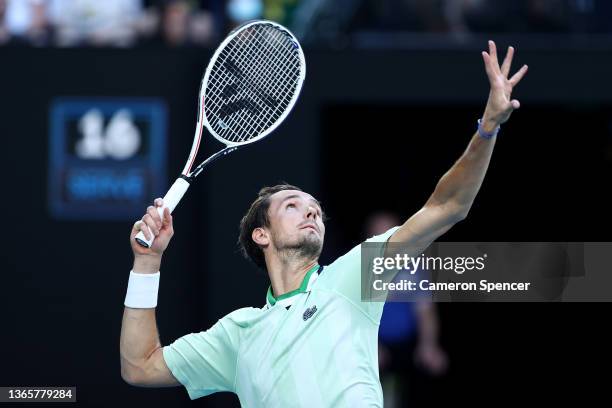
(107, 157)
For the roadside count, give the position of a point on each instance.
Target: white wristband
(142, 290)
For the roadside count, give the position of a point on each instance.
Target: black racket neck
(207, 162)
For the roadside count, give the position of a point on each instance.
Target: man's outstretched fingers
(489, 67)
(516, 78)
(493, 54)
(507, 62)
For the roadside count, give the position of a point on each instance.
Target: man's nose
(310, 212)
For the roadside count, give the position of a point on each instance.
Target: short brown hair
(256, 217)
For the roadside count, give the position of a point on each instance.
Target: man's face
(296, 223)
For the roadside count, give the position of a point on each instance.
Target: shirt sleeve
(344, 276)
(205, 362)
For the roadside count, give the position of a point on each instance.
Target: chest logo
(309, 312)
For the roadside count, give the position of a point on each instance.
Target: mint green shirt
(320, 352)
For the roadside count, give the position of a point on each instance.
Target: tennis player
(314, 343)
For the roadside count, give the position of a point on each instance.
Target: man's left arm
(457, 189)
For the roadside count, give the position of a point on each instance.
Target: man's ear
(260, 236)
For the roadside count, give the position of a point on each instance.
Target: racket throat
(207, 162)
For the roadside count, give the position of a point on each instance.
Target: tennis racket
(249, 87)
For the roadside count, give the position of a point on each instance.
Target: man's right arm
(142, 361)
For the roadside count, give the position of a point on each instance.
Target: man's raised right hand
(161, 229)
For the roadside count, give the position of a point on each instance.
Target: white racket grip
(171, 199)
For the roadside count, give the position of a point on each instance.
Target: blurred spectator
(180, 23)
(239, 11)
(175, 23)
(408, 338)
(119, 23)
(148, 24)
(40, 30)
(200, 22)
(28, 21)
(184, 24)
(202, 28)
(95, 22)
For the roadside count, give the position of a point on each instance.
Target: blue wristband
(486, 135)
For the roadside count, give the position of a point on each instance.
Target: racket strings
(241, 120)
(252, 83)
(289, 71)
(264, 76)
(256, 80)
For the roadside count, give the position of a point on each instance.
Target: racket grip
(171, 199)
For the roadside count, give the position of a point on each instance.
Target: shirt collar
(288, 298)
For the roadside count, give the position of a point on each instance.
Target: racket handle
(171, 199)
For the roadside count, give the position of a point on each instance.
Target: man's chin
(311, 244)
(308, 244)
(313, 236)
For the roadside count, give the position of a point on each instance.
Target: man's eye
(290, 205)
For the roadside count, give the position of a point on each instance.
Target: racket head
(248, 89)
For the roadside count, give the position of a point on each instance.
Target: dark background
(372, 131)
